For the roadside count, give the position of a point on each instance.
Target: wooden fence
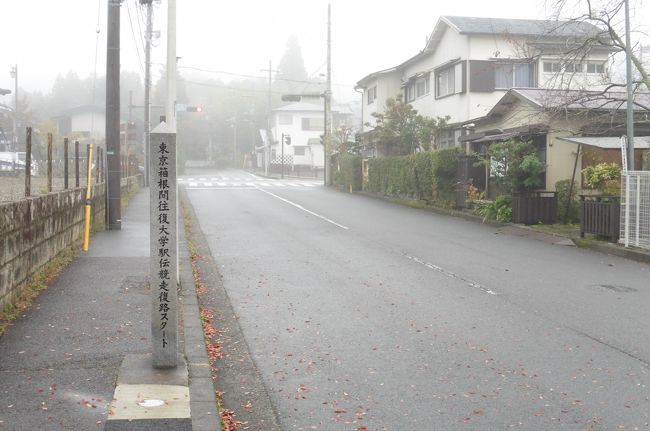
(534, 207)
(600, 215)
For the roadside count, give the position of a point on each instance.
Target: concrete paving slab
(150, 402)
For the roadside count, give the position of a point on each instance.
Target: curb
(601, 247)
(238, 378)
(203, 402)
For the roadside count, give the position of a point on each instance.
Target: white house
(303, 124)
(88, 121)
(468, 64)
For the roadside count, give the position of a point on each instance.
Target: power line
(139, 11)
(207, 84)
(135, 41)
(243, 75)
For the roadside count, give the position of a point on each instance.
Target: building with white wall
(468, 64)
(303, 122)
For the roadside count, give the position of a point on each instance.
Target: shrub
(445, 165)
(517, 167)
(499, 209)
(427, 175)
(604, 177)
(564, 200)
(346, 171)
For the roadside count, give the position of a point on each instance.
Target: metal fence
(55, 166)
(635, 209)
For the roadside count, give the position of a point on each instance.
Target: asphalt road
(361, 313)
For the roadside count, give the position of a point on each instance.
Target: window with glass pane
(312, 124)
(508, 75)
(595, 68)
(503, 75)
(573, 67)
(286, 119)
(445, 82)
(420, 88)
(524, 76)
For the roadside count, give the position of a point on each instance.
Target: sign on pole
(163, 259)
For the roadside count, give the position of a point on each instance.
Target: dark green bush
(346, 171)
(427, 175)
(445, 165)
(563, 200)
(499, 209)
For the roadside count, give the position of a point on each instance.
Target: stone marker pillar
(163, 260)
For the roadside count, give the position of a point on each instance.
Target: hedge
(346, 171)
(429, 175)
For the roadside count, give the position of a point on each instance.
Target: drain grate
(135, 284)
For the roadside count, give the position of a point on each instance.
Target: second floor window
(372, 94)
(417, 88)
(509, 75)
(313, 124)
(285, 119)
(449, 80)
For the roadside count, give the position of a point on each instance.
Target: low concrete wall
(35, 230)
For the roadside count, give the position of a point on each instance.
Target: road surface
(361, 313)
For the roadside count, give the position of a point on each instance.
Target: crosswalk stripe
(194, 184)
(221, 184)
(207, 184)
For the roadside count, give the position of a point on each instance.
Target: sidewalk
(90, 329)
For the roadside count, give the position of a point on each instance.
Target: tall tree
(609, 17)
(292, 65)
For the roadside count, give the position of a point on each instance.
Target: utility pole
(170, 106)
(630, 94)
(14, 138)
(269, 137)
(328, 99)
(147, 88)
(113, 116)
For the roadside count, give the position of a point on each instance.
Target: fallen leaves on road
(228, 420)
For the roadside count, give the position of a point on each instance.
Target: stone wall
(35, 230)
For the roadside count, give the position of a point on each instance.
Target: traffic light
(194, 109)
(287, 139)
(291, 98)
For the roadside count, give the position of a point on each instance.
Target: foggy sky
(47, 38)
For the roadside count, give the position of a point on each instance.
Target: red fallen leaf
(478, 412)
(361, 428)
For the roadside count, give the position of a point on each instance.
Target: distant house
(468, 64)
(302, 125)
(86, 121)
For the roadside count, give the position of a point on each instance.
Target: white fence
(635, 209)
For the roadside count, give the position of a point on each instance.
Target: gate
(635, 209)
(467, 170)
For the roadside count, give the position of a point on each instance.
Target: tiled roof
(524, 27)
